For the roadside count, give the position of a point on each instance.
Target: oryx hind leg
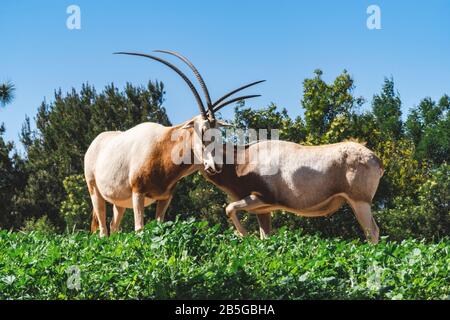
(265, 224)
(365, 218)
(117, 218)
(161, 208)
(249, 203)
(99, 206)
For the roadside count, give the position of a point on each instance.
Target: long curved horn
(220, 106)
(181, 74)
(236, 90)
(196, 73)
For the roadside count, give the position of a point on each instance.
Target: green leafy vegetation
(189, 259)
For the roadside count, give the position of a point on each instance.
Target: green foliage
(270, 118)
(6, 177)
(189, 260)
(429, 127)
(11, 181)
(387, 111)
(328, 107)
(76, 208)
(403, 173)
(428, 217)
(41, 225)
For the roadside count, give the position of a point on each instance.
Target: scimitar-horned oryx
(134, 168)
(309, 181)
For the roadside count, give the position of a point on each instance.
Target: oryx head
(205, 125)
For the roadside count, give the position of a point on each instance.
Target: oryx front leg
(99, 206)
(248, 203)
(138, 209)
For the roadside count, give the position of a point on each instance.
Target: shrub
(428, 217)
(42, 225)
(76, 209)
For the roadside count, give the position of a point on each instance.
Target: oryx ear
(189, 124)
(223, 123)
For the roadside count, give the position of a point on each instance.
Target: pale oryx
(308, 181)
(135, 168)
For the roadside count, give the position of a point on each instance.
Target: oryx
(134, 168)
(309, 181)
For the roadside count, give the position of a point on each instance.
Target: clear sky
(231, 42)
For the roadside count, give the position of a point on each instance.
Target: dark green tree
(11, 181)
(65, 128)
(428, 126)
(386, 108)
(11, 168)
(329, 107)
(270, 118)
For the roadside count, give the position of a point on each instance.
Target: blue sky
(231, 42)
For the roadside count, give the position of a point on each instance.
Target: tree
(386, 108)
(270, 118)
(328, 108)
(7, 90)
(11, 181)
(11, 173)
(428, 216)
(6, 179)
(428, 125)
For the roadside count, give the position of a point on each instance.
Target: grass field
(192, 260)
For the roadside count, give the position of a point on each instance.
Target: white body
(115, 157)
(135, 168)
(132, 169)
